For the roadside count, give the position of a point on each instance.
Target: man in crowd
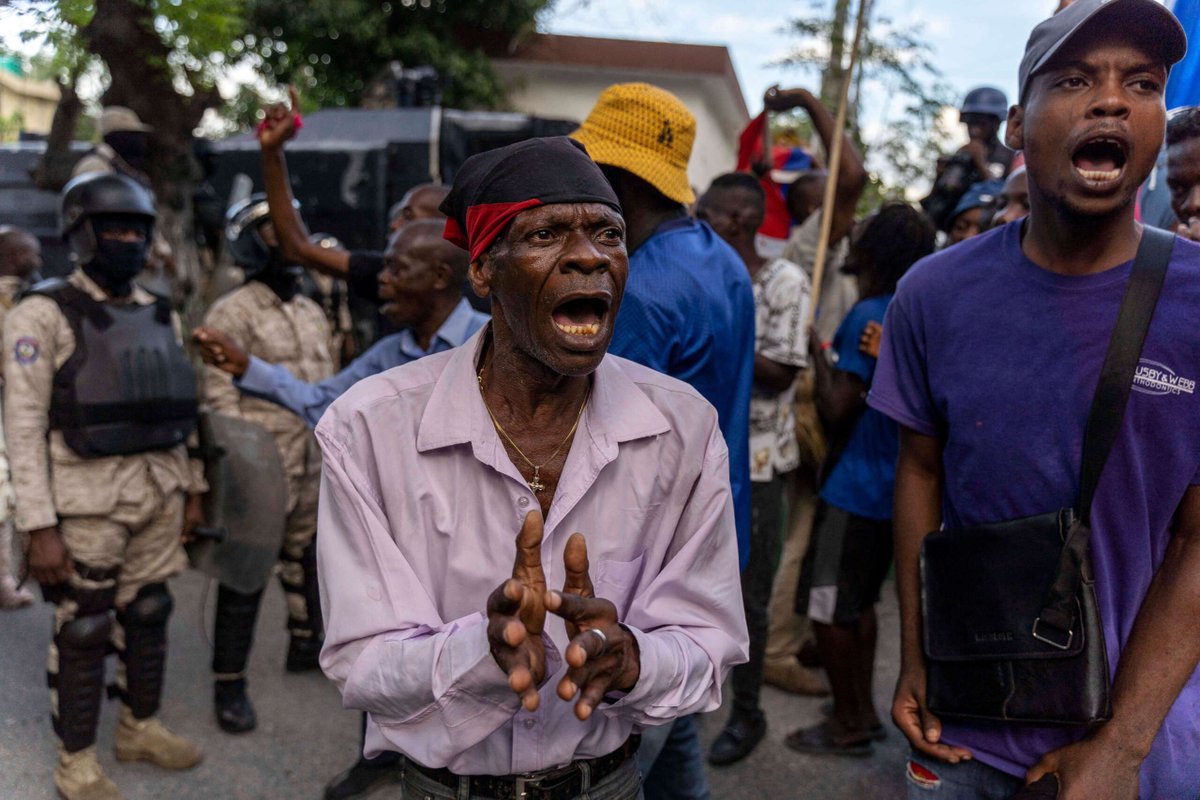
(850, 551)
(124, 146)
(124, 149)
(104, 488)
(1012, 204)
(20, 260)
(420, 291)
(787, 631)
(734, 205)
(421, 295)
(489, 684)
(359, 268)
(688, 312)
(269, 318)
(805, 198)
(983, 158)
(970, 343)
(971, 215)
(1183, 171)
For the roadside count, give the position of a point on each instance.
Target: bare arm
(771, 375)
(851, 175)
(918, 512)
(289, 226)
(840, 396)
(1161, 654)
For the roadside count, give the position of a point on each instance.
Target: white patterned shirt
(781, 300)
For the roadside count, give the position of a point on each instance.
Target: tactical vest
(128, 387)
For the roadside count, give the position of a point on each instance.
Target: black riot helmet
(985, 100)
(97, 194)
(246, 245)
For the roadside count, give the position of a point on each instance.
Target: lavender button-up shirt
(420, 509)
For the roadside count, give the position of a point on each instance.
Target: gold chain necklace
(536, 484)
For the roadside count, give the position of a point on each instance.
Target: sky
(975, 41)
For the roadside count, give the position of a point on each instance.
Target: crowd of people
(697, 466)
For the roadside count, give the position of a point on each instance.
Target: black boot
(303, 652)
(235, 712)
(232, 636)
(737, 739)
(299, 581)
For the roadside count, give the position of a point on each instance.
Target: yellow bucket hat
(644, 130)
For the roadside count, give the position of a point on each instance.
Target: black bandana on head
(493, 187)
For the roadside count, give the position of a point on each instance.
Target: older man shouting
(457, 489)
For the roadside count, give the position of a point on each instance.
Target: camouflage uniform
(10, 596)
(120, 517)
(295, 335)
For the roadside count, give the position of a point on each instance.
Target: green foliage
(901, 61)
(11, 126)
(198, 34)
(333, 48)
(62, 55)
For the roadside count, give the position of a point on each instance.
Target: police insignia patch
(26, 350)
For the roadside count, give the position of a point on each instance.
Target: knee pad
(151, 607)
(85, 633)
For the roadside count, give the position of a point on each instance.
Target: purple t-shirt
(1000, 359)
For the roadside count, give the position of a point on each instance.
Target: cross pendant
(536, 484)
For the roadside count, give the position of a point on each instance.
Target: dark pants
(673, 765)
(766, 531)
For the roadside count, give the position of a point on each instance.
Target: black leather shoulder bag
(1011, 626)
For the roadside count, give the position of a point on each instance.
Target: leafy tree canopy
(333, 48)
(897, 63)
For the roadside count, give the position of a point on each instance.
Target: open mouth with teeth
(582, 316)
(1100, 161)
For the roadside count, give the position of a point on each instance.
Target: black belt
(563, 783)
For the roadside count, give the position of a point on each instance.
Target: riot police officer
(99, 403)
(269, 318)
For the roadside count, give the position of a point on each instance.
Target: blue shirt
(309, 400)
(999, 359)
(688, 311)
(864, 478)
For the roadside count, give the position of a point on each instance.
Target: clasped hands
(597, 662)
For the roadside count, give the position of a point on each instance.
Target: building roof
(623, 54)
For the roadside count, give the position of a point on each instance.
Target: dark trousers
(766, 531)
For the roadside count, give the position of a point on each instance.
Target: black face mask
(116, 264)
(280, 277)
(130, 146)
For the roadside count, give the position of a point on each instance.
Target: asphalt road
(304, 737)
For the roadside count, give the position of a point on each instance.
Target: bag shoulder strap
(1121, 360)
(1104, 425)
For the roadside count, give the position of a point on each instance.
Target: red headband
(484, 223)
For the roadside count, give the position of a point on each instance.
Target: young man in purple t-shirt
(992, 351)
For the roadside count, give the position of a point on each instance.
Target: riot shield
(246, 502)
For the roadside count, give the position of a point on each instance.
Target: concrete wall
(551, 90)
(35, 100)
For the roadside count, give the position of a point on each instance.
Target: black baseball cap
(1157, 26)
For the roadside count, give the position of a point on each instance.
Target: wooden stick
(835, 163)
